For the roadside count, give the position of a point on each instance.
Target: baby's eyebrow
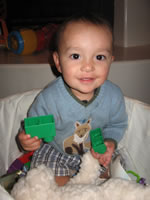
(109, 51)
(72, 51)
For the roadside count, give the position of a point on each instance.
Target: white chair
(135, 145)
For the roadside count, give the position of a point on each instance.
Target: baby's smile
(87, 80)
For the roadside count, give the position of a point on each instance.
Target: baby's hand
(28, 143)
(105, 159)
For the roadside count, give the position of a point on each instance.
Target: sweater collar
(84, 102)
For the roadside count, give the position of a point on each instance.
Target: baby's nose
(87, 66)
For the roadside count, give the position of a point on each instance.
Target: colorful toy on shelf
(97, 141)
(42, 127)
(22, 42)
(27, 41)
(3, 33)
(44, 36)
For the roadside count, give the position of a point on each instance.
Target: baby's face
(84, 57)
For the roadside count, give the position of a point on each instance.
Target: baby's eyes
(75, 56)
(100, 57)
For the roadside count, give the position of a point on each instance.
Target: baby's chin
(83, 94)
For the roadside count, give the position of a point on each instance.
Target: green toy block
(97, 141)
(42, 127)
(27, 165)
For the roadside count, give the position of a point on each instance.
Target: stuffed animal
(39, 184)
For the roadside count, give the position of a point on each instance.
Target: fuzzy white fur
(39, 184)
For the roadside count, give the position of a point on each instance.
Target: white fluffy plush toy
(39, 184)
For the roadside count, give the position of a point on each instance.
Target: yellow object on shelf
(30, 41)
(22, 42)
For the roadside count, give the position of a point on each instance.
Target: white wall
(132, 22)
(16, 78)
(133, 77)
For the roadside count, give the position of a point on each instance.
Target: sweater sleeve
(117, 119)
(38, 108)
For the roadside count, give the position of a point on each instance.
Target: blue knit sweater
(74, 119)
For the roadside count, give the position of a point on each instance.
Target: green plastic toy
(42, 127)
(97, 141)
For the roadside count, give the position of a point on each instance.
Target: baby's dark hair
(92, 18)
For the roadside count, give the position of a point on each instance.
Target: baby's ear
(112, 58)
(56, 61)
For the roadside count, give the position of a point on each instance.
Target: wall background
(133, 77)
(132, 22)
(131, 69)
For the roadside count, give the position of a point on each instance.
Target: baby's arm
(27, 143)
(105, 159)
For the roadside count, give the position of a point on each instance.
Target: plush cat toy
(39, 184)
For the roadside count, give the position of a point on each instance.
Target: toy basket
(135, 144)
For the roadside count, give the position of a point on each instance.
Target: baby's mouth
(86, 79)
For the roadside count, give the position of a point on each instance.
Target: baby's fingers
(32, 144)
(28, 143)
(105, 160)
(95, 154)
(23, 136)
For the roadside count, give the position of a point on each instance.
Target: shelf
(121, 54)
(132, 53)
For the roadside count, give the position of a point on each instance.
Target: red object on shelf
(44, 36)
(4, 33)
(41, 42)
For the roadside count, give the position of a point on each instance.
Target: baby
(81, 99)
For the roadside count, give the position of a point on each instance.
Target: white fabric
(135, 145)
(136, 142)
(4, 195)
(13, 110)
